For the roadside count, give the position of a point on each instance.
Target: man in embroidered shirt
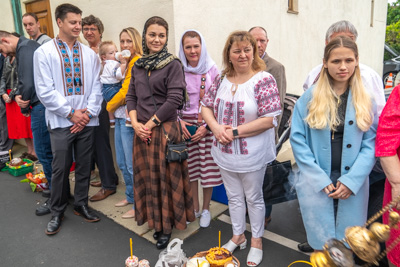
(67, 83)
(32, 27)
(92, 29)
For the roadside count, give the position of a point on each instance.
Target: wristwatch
(89, 114)
(157, 122)
(235, 133)
(71, 114)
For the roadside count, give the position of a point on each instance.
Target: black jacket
(26, 84)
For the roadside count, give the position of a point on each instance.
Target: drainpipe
(17, 13)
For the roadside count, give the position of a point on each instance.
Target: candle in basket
(219, 239)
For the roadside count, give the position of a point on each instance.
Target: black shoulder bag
(174, 152)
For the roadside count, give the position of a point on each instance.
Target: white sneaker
(205, 219)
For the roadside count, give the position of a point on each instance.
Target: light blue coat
(312, 151)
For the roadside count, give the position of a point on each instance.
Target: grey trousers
(63, 144)
(5, 142)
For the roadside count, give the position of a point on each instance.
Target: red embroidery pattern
(267, 96)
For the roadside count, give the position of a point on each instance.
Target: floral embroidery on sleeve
(267, 96)
(209, 97)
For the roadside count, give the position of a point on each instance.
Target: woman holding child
(129, 40)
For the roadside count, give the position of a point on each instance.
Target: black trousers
(63, 144)
(102, 151)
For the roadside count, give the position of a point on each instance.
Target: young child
(113, 74)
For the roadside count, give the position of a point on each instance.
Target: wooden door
(42, 10)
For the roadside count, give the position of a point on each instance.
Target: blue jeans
(124, 149)
(110, 90)
(41, 139)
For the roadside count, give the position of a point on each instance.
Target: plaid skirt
(162, 192)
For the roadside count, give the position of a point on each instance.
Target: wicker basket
(204, 253)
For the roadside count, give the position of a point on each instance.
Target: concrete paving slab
(107, 208)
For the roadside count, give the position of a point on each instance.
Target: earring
(230, 61)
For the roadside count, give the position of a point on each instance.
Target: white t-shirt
(371, 80)
(111, 72)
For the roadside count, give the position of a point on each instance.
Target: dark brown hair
(32, 15)
(62, 11)
(156, 20)
(92, 20)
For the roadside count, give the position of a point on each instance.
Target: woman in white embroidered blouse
(240, 109)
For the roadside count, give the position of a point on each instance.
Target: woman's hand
(329, 189)
(395, 194)
(200, 133)
(221, 135)
(342, 192)
(142, 131)
(185, 131)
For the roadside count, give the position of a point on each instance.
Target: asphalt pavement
(106, 243)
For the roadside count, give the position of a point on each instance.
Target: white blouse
(256, 98)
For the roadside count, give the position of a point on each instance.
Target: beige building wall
(7, 19)
(296, 40)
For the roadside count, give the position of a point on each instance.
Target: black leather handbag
(176, 152)
(277, 187)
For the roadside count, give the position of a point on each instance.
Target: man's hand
(21, 103)
(80, 118)
(76, 128)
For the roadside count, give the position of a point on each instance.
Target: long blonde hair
(136, 41)
(323, 107)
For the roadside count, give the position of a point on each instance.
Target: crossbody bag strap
(155, 106)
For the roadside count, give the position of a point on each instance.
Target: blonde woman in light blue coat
(333, 141)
